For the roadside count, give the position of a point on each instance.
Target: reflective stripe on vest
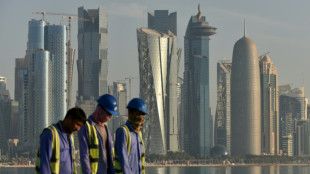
(117, 166)
(55, 162)
(93, 147)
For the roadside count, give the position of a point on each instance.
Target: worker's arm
(121, 151)
(46, 151)
(84, 150)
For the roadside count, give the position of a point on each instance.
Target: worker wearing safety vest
(56, 153)
(95, 140)
(129, 157)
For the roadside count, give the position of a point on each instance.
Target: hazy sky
(281, 27)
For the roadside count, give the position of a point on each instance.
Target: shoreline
(221, 165)
(183, 165)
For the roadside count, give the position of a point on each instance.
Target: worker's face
(104, 115)
(74, 125)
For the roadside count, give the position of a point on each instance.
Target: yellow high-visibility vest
(55, 160)
(117, 166)
(93, 147)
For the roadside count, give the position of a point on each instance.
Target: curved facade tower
(158, 61)
(42, 89)
(196, 99)
(245, 99)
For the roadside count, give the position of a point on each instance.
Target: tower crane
(70, 55)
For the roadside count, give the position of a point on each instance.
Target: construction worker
(129, 148)
(95, 140)
(56, 152)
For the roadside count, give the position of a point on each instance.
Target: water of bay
(198, 170)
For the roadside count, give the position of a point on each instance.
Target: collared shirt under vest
(103, 165)
(134, 163)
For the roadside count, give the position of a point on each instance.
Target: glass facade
(92, 53)
(158, 60)
(222, 115)
(43, 91)
(196, 99)
(55, 43)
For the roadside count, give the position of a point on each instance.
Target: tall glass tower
(197, 138)
(55, 43)
(158, 60)
(223, 115)
(92, 53)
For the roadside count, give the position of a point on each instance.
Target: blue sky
(281, 27)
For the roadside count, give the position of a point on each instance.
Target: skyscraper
(35, 42)
(270, 106)
(92, 60)
(162, 21)
(55, 43)
(197, 138)
(5, 115)
(223, 115)
(245, 99)
(158, 61)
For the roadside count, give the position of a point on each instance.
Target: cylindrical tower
(245, 99)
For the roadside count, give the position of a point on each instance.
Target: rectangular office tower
(158, 63)
(197, 138)
(222, 115)
(270, 106)
(92, 60)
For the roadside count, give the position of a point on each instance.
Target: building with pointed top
(245, 99)
(196, 98)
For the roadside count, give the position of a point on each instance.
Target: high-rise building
(302, 144)
(42, 115)
(120, 93)
(2, 83)
(35, 42)
(158, 61)
(162, 21)
(289, 111)
(55, 43)
(270, 106)
(245, 99)
(299, 94)
(180, 113)
(21, 84)
(92, 60)
(222, 114)
(5, 115)
(197, 140)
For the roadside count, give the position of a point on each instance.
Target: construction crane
(261, 56)
(70, 55)
(52, 13)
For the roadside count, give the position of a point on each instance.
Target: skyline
(282, 29)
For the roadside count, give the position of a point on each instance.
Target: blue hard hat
(138, 104)
(109, 103)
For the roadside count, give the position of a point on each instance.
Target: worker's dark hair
(77, 113)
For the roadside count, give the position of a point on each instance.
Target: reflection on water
(230, 170)
(199, 170)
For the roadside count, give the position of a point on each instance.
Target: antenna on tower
(244, 28)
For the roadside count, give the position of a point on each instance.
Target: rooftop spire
(199, 13)
(244, 28)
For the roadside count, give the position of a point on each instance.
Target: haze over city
(282, 29)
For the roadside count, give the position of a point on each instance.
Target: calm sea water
(200, 170)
